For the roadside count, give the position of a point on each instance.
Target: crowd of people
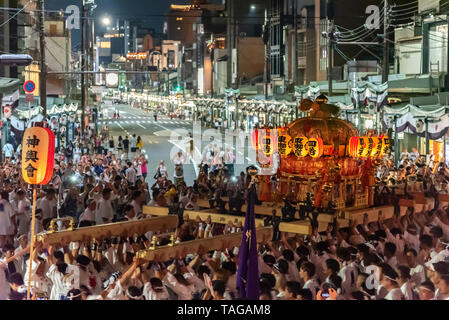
(404, 258)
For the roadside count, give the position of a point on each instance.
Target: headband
(133, 298)
(158, 288)
(72, 296)
(425, 288)
(389, 278)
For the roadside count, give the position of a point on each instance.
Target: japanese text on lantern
(385, 145)
(31, 155)
(283, 145)
(312, 148)
(267, 146)
(300, 145)
(361, 147)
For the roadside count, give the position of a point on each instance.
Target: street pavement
(163, 138)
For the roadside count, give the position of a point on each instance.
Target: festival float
(323, 160)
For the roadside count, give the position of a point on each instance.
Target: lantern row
(359, 147)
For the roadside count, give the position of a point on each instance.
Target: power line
(405, 5)
(4, 23)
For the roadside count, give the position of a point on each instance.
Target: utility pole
(83, 65)
(330, 38)
(212, 66)
(385, 47)
(230, 40)
(295, 43)
(43, 65)
(266, 41)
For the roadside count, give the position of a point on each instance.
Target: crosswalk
(137, 120)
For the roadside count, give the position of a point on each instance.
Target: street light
(15, 59)
(106, 21)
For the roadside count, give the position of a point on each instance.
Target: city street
(305, 151)
(161, 140)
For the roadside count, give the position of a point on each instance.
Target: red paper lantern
(368, 146)
(38, 155)
(377, 147)
(255, 139)
(357, 146)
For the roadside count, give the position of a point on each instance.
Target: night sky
(150, 12)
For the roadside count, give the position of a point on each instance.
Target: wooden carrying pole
(14, 257)
(33, 219)
(127, 228)
(215, 243)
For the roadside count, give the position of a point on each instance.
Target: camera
(325, 289)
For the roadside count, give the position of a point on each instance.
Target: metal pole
(43, 73)
(396, 140)
(236, 112)
(229, 41)
(212, 58)
(295, 43)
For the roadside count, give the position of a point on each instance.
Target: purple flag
(248, 270)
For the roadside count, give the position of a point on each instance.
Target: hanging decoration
(368, 148)
(377, 148)
(385, 145)
(284, 144)
(38, 155)
(315, 147)
(301, 146)
(255, 139)
(267, 143)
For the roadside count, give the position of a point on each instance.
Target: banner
(436, 129)
(11, 100)
(369, 91)
(307, 92)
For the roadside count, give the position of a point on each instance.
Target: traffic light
(178, 88)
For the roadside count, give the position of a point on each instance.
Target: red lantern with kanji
(268, 142)
(385, 145)
(357, 146)
(38, 155)
(369, 146)
(316, 147)
(284, 145)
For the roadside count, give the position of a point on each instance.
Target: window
(53, 30)
(105, 44)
